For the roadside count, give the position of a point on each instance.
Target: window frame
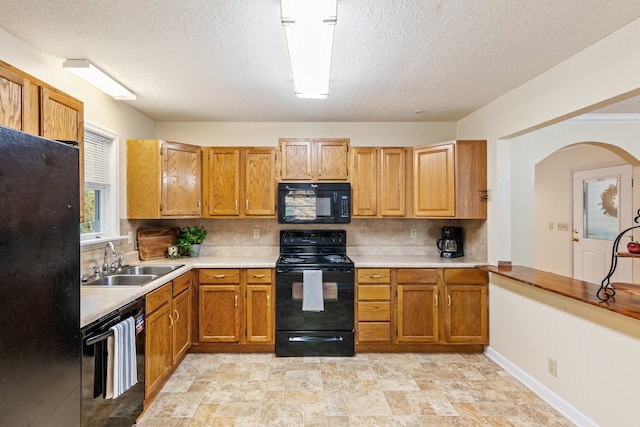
(110, 208)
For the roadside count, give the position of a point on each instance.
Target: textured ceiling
(226, 60)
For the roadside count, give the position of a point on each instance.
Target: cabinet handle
(258, 276)
(374, 276)
(170, 324)
(246, 204)
(198, 204)
(449, 300)
(236, 300)
(268, 300)
(435, 299)
(218, 276)
(177, 315)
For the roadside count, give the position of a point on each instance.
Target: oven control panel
(314, 238)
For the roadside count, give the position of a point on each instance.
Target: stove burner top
(301, 249)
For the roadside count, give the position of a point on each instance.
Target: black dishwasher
(97, 411)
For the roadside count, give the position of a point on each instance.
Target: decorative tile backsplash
(235, 237)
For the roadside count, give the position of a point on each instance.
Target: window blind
(96, 158)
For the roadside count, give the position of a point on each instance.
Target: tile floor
(370, 389)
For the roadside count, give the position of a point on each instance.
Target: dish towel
(312, 298)
(122, 371)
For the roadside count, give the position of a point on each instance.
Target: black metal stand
(606, 291)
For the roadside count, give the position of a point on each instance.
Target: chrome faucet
(105, 264)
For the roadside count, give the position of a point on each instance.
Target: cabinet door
(62, 118)
(181, 188)
(259, 314)
(158, 354)
(471, 179)
(393, 182)
(331, 160)
(466, 309)
(259, 182)
(222, 182)
(434, 181)
(295, 160)
(364, 181)
(417, 313)
(219, 313)
(18, 101)
(181, 324)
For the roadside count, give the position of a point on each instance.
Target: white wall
(596, 350)
(398, 134)
(553, 248)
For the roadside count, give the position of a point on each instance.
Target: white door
(601, 210)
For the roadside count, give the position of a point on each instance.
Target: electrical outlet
(414, 233)
(256, 233)
(552, 367)
(130, 237)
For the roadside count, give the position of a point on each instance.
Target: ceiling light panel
(96, 77)
(309, 27)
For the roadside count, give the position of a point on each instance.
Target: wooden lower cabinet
(158, 353)
(466, 310)
(408, 309)
(168, 332)
(235, 308)
(373, 305)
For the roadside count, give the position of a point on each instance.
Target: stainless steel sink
(123, 280)
(158, 270)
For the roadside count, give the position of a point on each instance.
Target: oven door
(320, 333)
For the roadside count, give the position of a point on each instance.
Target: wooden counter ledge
(626, 300)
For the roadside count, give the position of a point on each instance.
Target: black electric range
(327, 329)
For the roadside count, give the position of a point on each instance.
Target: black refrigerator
(40, 342)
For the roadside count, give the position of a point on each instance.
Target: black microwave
(314, 203)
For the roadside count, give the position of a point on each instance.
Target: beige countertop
(99, 301)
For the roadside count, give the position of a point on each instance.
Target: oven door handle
(314, 339)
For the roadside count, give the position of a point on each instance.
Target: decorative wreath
(608, 201)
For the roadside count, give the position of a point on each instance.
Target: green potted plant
(189, 241)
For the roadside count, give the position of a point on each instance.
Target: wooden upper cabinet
(450, 180)
(393, 172)
(323, 159)
(259, 182)
(221, 182)
(239, 182)
(434, 180)
(19, 104)
(364, 181)
(378, 181)
(163, 179)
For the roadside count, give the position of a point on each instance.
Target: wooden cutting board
(153, 242)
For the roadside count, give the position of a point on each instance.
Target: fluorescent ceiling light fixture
(93, 75)
(308, 28)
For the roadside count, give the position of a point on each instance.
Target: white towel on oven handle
(312, 295)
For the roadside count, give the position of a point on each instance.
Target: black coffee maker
(450, 246)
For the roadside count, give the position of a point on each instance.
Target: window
(100, 185)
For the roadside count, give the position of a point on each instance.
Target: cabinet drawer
(259, 275)
(374, 311)
(219, 275)
(417, 275)
(181, 283)
(374, 275)
(158, 298)
(461, 276)
(374, 292)
(374, 332)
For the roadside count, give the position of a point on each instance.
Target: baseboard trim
(558, 403)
